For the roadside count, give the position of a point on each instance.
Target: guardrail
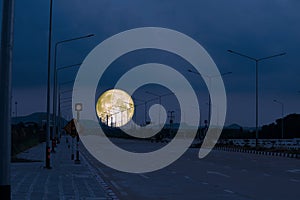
(291, 144)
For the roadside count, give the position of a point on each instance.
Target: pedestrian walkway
(66, 180)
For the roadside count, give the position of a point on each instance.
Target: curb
(109, 192)
(267, 153)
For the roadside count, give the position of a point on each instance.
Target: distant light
(78, 107)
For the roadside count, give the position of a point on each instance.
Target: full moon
(115, 108)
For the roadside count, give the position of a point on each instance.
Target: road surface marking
(102, 173)
(144, 176)
(229, 191)
(204, 183)
(89, 189)
(218, 173)
(116, 185)
(295, 180)
(46, 191)
(123, 193)
(244, 170)
(30, 190)
(119, 188)
(60, 187)
(265, 174)
(294, 170)
(187, 177)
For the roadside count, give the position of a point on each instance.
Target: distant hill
(233, 127)
(238, 127)
(38, 117)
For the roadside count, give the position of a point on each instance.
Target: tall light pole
(6, 57)
(209, 86)
(135, 109)
(47, 162)
(16, 107)
(171, 116)
(282, 115)
(159, 96)
(256, 85)
(58, 69)
(145, 103)
(55, 77)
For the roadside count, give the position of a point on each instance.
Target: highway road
(220, 175)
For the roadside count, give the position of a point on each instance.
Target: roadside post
(78, 108)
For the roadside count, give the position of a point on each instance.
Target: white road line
(187, 177)
(218, 173)
(89, 189)
(60, 187)
(123, 193)
(265, 174)
(30, 190)
(229, 191)
(144, 176)
(102, 173)
(295, 180)
(46, 191)
(294, 170)
(116, 185)
(204, 183)
(244, 170)
(119, 188)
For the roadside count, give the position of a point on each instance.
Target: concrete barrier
(266, 153)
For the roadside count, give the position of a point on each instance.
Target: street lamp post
(6, 57)
(256, 85)
(135, 107)
(58, 69)
(135, 111)
(209, 86)
(282, 115)
(55, 78)
(59, 121)
(171, 116)
(16, 107)
(47, 162)
(78, 108)
(145, 104)
(65, 104)
(159, 96)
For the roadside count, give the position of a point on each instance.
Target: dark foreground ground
(221, 175)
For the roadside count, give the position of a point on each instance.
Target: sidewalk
(66, 180)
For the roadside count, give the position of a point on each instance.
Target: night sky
(257, 28)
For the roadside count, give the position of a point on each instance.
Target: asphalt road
(220, 175)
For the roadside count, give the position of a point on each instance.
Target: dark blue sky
(257, 28)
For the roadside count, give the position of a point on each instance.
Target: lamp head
(78, 107)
